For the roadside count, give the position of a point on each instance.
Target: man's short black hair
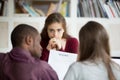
(20, 32)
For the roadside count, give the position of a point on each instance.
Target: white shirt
(90, 71)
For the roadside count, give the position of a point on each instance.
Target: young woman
(94, 62)
(54, 36)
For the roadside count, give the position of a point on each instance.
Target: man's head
(27, 37)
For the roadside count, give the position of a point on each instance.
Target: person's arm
(73, 45)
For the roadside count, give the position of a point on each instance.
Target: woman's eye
(51, 30)
(59, 30)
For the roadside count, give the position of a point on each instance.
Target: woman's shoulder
(83, 64)
(76, 65)
(72, 39)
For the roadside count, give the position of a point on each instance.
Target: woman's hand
(54, 44)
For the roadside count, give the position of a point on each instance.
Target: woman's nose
(55, 34)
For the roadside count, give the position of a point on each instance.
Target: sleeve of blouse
(74, 45)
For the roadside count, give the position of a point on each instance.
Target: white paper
(117, 61)
(60, 61)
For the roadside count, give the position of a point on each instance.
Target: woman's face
(55, 30)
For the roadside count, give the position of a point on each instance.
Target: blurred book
(1, 7)
(41, 7)
(63, 8)
(51, 8)
(5, 8)
(80, 9)
(96, 9)
(29, 9)
(116, 7)
(108, 11)
(19, 7)
(40, 12)
(113, 9)
(102, 9)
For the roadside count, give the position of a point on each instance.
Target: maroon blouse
(71, 46)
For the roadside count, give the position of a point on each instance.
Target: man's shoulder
(43, 66)
(2, 55)
(46, 70)
(41, 63)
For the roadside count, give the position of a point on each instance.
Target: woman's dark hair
(53, 18)
(94, 45)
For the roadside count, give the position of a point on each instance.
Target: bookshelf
(98, 8)
(74, 23)
(41, 8)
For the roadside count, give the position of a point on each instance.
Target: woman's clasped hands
(55, 44)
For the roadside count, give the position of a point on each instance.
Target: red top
(71, 46)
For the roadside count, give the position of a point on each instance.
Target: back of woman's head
(94, 42)
(53, 18)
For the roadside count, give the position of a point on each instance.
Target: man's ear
(28, 40)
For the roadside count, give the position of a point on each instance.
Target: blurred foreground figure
(94, 61)
(22, 62)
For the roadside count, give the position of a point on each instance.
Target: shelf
(38, 8)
